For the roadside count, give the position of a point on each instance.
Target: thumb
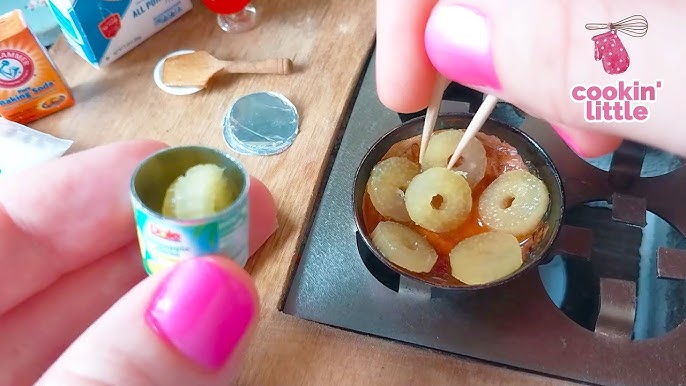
(532, 53)
(187, 327)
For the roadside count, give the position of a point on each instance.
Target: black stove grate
(580, 319)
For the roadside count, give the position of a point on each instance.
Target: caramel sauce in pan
(500, 158)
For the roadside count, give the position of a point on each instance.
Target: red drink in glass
(233, 15)
(226, 7)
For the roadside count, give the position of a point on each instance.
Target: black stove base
(577, 320)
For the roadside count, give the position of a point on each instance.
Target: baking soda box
(101, 31)
(30, 86)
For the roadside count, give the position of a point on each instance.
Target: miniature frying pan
(533, 155)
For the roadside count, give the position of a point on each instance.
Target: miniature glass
(233, 16)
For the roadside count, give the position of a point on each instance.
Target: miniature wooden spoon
(197, 68)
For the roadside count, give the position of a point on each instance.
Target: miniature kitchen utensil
(432, 113)
(174, 90)
(197, 68)
(535, 158)
(474, 126)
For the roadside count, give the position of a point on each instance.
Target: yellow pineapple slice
(386, 186)
(438, 199)
(404, 247)
(441, 146)
(514, 203)
(485, 258)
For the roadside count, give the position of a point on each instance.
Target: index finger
(404, 74)
(64, 215)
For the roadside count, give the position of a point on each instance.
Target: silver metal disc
(263, 123)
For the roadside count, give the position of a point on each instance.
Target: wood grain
(197, 68)
(329, 42)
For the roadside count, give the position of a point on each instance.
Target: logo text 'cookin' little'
(623, 102)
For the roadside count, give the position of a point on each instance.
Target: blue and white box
(101, 31)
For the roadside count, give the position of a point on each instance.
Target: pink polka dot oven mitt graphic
(609, 48)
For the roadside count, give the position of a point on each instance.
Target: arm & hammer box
(101, 31)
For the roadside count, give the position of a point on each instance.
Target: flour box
(101, 31)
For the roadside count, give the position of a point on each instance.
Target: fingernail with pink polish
(202, 311)
(458, 43)
(568, 140)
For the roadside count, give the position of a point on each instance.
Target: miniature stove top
(607, 308)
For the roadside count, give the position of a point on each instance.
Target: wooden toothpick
(432, 113)
(474, 126)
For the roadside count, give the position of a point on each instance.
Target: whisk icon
(608, 46)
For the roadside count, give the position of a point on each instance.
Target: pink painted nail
(458, 42)
(568, 140)
(202, 311)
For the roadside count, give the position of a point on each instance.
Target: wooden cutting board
(329, 42)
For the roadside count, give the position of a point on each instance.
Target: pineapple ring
(438, 200)
(404, 247)
(485, 258)
(202, 191)
(441, 147)
(514, 203)
(386, 186)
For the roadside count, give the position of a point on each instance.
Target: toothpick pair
(474, 126)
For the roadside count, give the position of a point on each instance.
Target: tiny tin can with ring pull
(165, 241)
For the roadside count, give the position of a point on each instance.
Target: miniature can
(165, 241)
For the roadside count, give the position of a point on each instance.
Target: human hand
(531, 53)
(68, 252)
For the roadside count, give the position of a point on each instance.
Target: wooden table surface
(329, 42)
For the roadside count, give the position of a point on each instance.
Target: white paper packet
(22, 147)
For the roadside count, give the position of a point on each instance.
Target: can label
(164, 242)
